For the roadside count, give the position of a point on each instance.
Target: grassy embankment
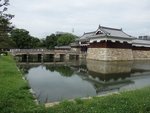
(15, 97)
(14, 94)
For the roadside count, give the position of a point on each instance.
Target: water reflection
(73, 79)
(63, 70)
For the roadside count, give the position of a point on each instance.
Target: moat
(56, 81)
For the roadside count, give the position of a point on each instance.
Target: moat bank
(14, 91)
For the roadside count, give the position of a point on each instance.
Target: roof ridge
(103, 27)
(90, 32)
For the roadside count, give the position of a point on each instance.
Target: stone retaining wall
(141, 55)
(109, 54)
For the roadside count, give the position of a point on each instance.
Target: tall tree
(5, 25)
(22, 38)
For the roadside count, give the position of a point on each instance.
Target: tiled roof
(140, 41)
(110, 32)
(88, 35)
(115, 32)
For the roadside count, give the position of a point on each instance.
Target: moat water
(57, 81)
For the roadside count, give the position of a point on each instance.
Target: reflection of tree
(83, 66)
(50, 68)
(25, 67)
(63, 70)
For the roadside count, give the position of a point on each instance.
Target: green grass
(127, 102)
(14, 94)
(15, 97)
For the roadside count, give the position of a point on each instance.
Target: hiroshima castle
(111, 44)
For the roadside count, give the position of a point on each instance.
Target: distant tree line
(24, 40)
(21, 38)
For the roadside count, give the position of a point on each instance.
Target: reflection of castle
(109, 67)
(106, 76)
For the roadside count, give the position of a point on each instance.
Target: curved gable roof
(107, 31)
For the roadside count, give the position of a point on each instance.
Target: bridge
(41, 53)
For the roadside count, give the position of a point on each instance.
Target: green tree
(65, 39)
(35, 42)
(59, 40)
(51, 41)
(42, 43)
(22, 38)
(5, 25)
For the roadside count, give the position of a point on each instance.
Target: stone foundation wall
(109, 54)
(141, 55)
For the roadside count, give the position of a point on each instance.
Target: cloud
(42, 18)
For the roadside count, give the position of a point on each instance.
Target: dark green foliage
(6, 43)
(42, 43)
(65, 39)
(5, 26)
(35, 42)
(21, 37)
(51, 41)
(59, 40)
(23, 40)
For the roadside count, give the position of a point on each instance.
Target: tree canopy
(5, 25)
(51, 41)
(65, 39)
(59, 40)
(23, 39)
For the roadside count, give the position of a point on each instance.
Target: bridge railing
(25, 51)
(29, 50)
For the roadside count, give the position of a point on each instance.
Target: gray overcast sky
(43, 17)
